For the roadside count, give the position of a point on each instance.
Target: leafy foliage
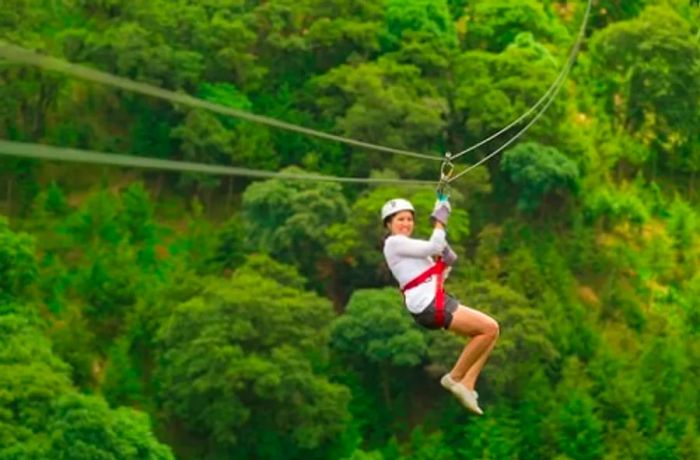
(204, 358)
(17, 263)
(539, 171)
(237, 319)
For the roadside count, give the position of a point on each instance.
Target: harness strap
(440, 294)
(438, 270)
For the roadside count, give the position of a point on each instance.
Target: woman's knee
(492, 329)
(471, 322)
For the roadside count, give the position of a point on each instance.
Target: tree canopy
(152, 314)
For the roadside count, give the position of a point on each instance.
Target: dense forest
(149, 314)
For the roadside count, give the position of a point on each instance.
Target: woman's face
(401, 223)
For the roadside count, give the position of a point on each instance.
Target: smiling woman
(420, 278)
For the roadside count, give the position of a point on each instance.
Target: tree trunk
(36, 122)
(47, 93)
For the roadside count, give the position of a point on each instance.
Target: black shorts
(426, 318)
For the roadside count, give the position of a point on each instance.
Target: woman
(411, 262)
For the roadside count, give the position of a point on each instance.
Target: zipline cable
(19, 54)
(45, 152)
(22, 55)
(539, 114)
(550, 91)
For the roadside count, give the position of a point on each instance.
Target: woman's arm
(411, 247)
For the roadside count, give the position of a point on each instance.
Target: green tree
(648, 69)
(203, 139)
(682, 225)
(426, 446)
(303, 38)
(664, 378)
(610, 207)
(288, 219)
(378, 342)
(138, 222)
(110, 286)
(42, 416)
(31, 377)
(53, 201)
(231, 248)
(210, 138)
(130, 49)
(490, 90)
(228, 360)
(286, 275)
(377, 329)
(340, 30)
(18, 266)
(607, 12)
(84, 427)
(77, 342)
(96, 223)
(419, 16)
(362, 455)
(495, 24)
(579, 431)
(576, 428)
(540, 171)
(116, 235)
(123, 382)
(137, 214)
(624, 401)
(421, 33)
(383, 102)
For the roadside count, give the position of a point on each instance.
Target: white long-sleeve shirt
(407, 258)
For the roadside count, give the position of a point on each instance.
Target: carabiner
(446, 170)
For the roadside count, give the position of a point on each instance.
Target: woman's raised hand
(441, 211)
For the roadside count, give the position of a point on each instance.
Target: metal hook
(446, 170)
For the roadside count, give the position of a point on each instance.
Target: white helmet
(391, 207)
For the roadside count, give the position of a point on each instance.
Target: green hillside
(154, 314)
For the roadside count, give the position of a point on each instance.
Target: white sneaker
(447, 382)
(468, 398)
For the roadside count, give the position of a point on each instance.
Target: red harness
(438, 270)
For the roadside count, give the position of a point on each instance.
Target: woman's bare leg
(472, 374)
(484, 332)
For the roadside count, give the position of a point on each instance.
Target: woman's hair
(387, 221)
